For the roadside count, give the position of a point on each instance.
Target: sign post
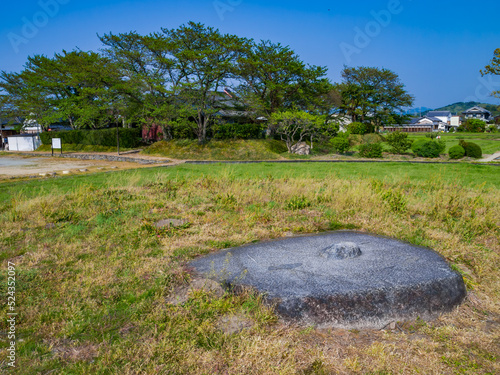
(56, 144)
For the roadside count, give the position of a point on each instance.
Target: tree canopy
(80, 87)
(369, 94)
(188, 77)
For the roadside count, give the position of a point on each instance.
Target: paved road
(493, 157)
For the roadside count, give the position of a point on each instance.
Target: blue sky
(436, 47)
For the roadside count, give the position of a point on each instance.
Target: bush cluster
(340, 144)
(371, 150)
(428, 148)
(456, 152)
(129, 138)
(238, 131)
(472, 150)
(399, 142)
(472, 125)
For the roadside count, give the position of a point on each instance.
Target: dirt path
(42, 164)
(493, 157)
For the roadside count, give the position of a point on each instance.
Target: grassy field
(95, 276)
(489, 142)
(219, 150)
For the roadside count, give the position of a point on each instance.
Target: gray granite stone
(390, 281)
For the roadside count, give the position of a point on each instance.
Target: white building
(24, 142)
(443, 116)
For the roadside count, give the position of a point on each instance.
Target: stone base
(389, 281)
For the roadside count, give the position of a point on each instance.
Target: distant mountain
(455, 109)
(458, 108)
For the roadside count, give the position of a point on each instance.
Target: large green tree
(79, 87)
(369, 94)
(152, 74)
(206, 60)
(274, 78)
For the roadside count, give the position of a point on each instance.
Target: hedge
(129, 138)
(238, 131)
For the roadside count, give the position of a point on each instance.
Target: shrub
(472, 150)
(238, 131)
(428, 148)
(456, 152)
(340, 144)
(357, 128)
(372, 138)
(129, 138)
(492, 128)
(373, 150)
(417, 145)
(473, 125)
(399, 142)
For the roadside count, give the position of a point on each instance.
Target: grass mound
(218, 150)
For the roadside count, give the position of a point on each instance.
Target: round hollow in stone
(340, 251)
(390, 281)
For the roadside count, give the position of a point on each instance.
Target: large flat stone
(390, 280)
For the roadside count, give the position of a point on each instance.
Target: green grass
(93, 288)
(489, 142)
(218, 150)
(462, 174)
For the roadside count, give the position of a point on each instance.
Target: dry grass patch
(93, 287)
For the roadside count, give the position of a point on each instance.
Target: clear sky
(436, 47)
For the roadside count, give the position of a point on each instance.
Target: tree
(78, 86)
(493, 68)
(205, 59)
(273, 78)
(295, 126)
(371, 95)
(152, 74)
